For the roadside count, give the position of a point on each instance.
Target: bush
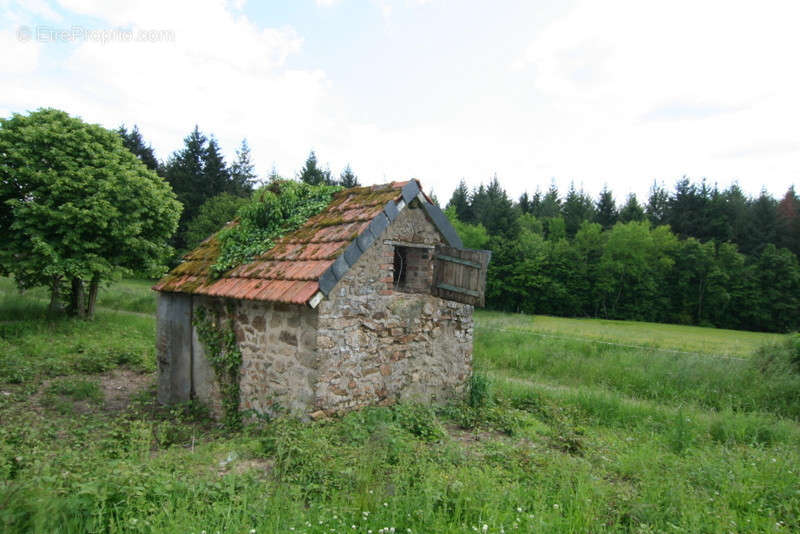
(419, 420)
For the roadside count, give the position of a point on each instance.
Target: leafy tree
(78, 207)
(212, 216)
(555, 228)
(606, 209)
(311, 173)
(779, 287)
(347, 178)
(242, 172)
(577, 208)
(134, 142)
(632, 210)
(472, 235)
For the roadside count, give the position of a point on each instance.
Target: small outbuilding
(369, 302)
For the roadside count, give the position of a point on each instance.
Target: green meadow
(569, 425)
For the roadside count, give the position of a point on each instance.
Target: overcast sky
(599, 92)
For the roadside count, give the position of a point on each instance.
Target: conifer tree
(788, 221)
(311, 173)
(242, 172)
(657, 205)
(577, 208)
(606, 214)
(134, 142)
(631, 211)
(460, 202)
(347, 178)
(761, 225)
(185, 173)
(217, 178)
(551, 203)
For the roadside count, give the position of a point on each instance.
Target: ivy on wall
(222, 352)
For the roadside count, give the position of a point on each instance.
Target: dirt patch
(470, 438)
(120, 385)
(232, 464)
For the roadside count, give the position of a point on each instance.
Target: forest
(696, 254)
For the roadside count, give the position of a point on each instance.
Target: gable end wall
(379, 345)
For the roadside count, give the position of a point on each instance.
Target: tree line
(210, 189)
(80, 204)
(693, 255)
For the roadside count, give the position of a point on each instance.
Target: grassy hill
(570, 426)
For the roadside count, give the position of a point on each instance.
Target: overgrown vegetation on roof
(275, 210)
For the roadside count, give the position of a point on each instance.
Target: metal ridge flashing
(356, 248)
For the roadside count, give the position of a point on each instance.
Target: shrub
(419, 420)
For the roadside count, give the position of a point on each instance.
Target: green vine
(224, 356)
(275, 210)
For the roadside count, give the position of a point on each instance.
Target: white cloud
(221, 72)
(667, 87)
(20, 55)
(619, 92)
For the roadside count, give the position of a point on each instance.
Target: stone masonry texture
(367, 343)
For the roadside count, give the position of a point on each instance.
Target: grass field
(569, 426)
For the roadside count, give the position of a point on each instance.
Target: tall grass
(709, 381)
(554, 435)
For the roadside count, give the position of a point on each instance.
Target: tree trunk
(55, 293)
(93, 287)
(77, 306)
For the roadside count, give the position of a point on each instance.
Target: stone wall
(279, 357)
(377, 344)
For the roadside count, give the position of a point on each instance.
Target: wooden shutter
(460, 274)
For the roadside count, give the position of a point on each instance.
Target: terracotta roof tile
(290, 271)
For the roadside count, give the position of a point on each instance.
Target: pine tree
(606, 214)
(215, 171)
(761, 224)
(347, 178)
(134, 142)
(492, 208)
(311, 173)
(657, 205)
(788, 221)
(536, 204)
(460, 201)
(551, 203)
(242, 172)
(524, 203)
(185, 173)
(631, 211)
(577, 208)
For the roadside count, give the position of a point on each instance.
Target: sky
(611, 93)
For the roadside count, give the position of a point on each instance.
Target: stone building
(368, 302)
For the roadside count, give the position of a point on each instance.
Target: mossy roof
(301, 262)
